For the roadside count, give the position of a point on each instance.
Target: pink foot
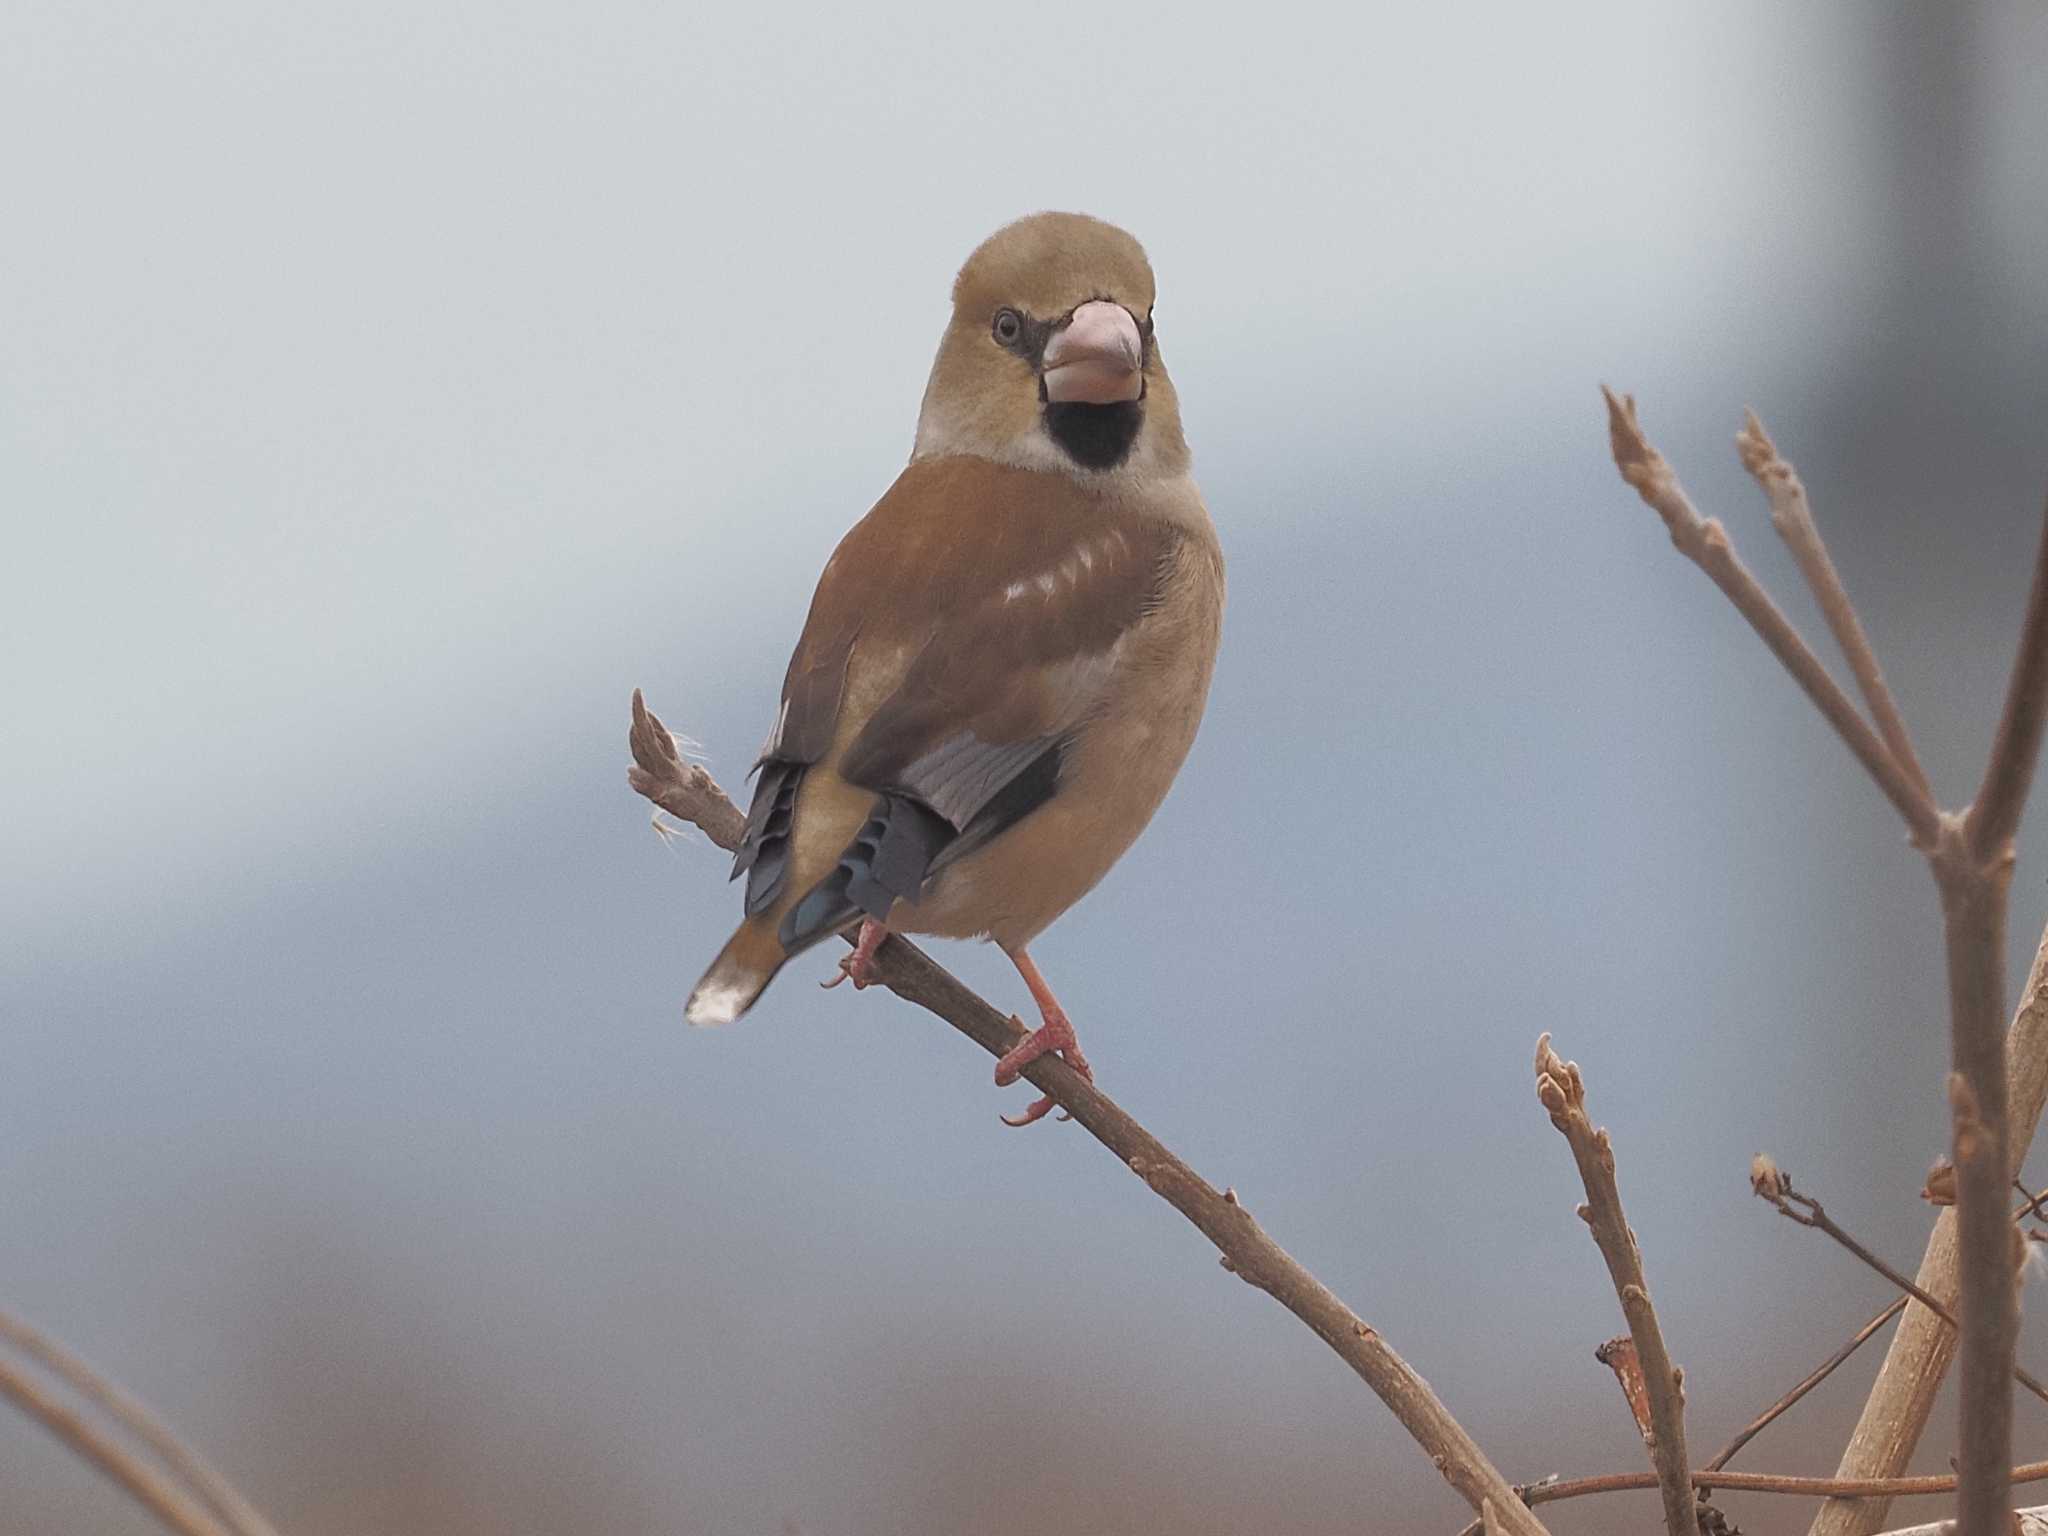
(1056, 1035)
(859, 966)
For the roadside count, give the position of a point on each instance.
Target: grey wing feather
(763, 854)
(963, 773)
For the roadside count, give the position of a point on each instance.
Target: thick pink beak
(1096, 357)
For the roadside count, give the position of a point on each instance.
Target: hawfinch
(1006, 659)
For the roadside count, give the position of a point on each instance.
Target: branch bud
(1940, 1188)
(1766, 1180)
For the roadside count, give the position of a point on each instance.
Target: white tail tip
(716, 1003)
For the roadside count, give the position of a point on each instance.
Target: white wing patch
(1070, 570)
(774, 742)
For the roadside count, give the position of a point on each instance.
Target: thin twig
(1793, 518)
(2031, 1205)
(150, 1487)
(1771, 1482)
(686, 791)
(1774, 1185)
(1994, 816)
(1562, 1090)
(1705, 542)
(1552, 1490)
(135, 1416)
(1814, 1378)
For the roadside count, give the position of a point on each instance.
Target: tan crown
(983, 399)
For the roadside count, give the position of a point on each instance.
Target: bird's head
(1050, 361)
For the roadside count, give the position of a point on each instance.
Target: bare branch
(687, 791)
(1972, 863)
(1562, 1091)
(1995, 814)
(1705, 542)
(135, 1416)
(1771, 1482)
(1988, 1326)
(1793, 518)
(151, 1489)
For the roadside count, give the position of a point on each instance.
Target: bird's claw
(1056, 1037)
(858, 966)
(850, 969)
(1037, 1111)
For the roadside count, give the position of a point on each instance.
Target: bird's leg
(859, 967)
(1055, 1034)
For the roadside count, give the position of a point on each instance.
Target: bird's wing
(960, 637)
(1041, 594)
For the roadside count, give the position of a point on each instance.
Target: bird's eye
(1009, 325)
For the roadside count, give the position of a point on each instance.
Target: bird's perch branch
(1562, 1091)
(1971, 858)
(688, 792)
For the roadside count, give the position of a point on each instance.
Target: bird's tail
(741, 972)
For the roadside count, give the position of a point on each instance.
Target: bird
(1006, 660)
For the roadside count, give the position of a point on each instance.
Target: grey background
(386, 390)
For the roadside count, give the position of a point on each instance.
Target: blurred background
(385, 391)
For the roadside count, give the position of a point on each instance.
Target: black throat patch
(1095, 436)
